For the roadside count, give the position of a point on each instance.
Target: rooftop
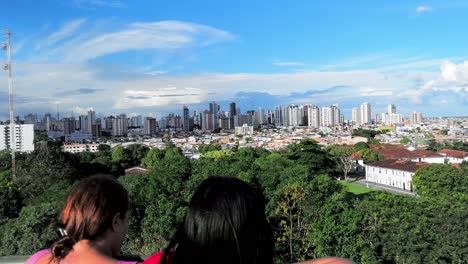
(402, 165)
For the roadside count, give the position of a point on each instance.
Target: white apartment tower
(356, 115)
(366, 113)
(313, 116)
(24, 138)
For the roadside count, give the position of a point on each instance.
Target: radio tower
(7, 67)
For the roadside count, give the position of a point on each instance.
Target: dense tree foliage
(360, 132)
(312, 214)
(455, 145)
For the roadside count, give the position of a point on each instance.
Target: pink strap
(34, 258)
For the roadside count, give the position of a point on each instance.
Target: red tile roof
(402, 165)
(390, 151)
(454, 153)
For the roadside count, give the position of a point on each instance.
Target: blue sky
(151, 57)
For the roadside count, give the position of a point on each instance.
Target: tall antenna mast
(7, 66)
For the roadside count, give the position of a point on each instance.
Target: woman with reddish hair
(94, 224)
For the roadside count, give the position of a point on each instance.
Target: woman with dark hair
(94, 224)
(225, 223)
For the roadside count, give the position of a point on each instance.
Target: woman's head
(225, 223)
(96, 208)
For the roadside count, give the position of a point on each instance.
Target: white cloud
(287, 63)
(422, 9)
(142, 93)
(67, 30)
(73, 46)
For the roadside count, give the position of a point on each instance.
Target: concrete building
(331, 116)
(23, 136)
(78, 147)
(244, 130)
(185, 119)
(416, 118)
(393, 173)
(356, 116)
(278, 116)
(120, 126)
(150, 126)
(365, 114)
(313, 116)
(91, 121)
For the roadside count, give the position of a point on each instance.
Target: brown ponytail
(62, 247)
(88, 212)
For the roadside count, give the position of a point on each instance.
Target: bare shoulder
(328, 260)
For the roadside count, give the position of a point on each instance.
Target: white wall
(390, 177)
(24, 137)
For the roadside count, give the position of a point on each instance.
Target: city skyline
(149, 57)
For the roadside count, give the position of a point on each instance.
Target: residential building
(23, 138)
(313, 116)
(244, 130)
(393, 173)
(185, 119)
(416, 118)
(365, 114)
(78, 147)
(356, 116)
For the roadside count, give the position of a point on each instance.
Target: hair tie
(62, 232)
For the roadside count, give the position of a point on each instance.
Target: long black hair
(225, 223)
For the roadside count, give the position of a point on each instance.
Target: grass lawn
(356, 188)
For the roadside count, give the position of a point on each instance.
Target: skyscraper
(186, 119)
(356, 116)
(120, 125)
(91, 121)
(331, 115)
(150, 126)
(261, 116)
(24, 138)
(313, 116)
(366, 113)
(232, 112)
(416, 118)
(278, 116)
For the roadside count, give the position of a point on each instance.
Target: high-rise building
(48, 121)
(337, 120)
(197, 120)
(232, 112)
(366, 114)
(150, 126)
(91, 121)
(391, 110)
(278, 116)
(416, 118)
(68, 126)
(186, 119)
(24, 138)
(331, 115)
(293, 115)
(356, 115)
(30, 119)
(83, 123)
(214, 107)
(120, 125)
(313, 116)
(261, 116)
(208, 122)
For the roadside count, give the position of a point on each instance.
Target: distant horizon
(153, 57)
